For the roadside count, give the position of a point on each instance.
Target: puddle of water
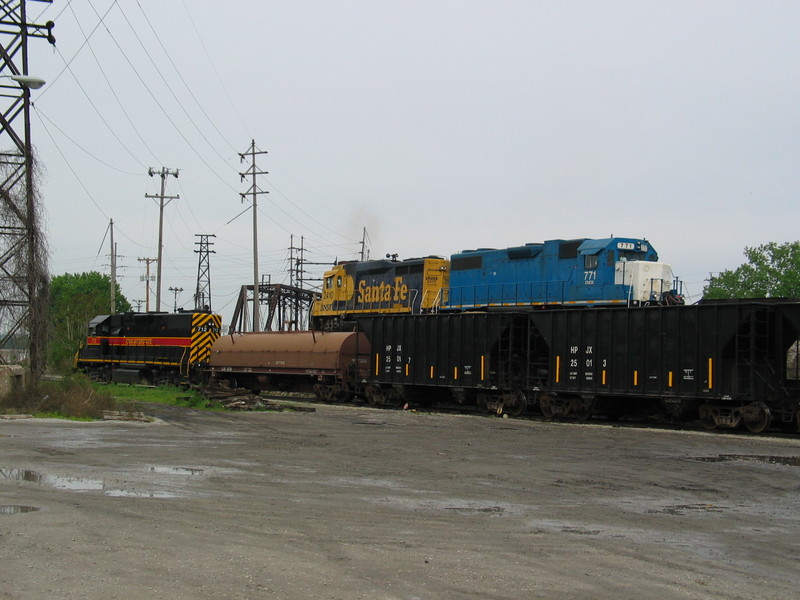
(132, 494)
(792, 461)
(81, 484)
(14, 509)
(56, 481)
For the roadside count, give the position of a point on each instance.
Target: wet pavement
(353, 502)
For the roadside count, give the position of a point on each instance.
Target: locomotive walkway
(351, 502)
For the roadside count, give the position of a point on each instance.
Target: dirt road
(352, 503)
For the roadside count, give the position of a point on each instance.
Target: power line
(41, 114)
(180, 76)
(113, 92)
(99, 114)
(180, 104)
(74, 56)
(214, 68)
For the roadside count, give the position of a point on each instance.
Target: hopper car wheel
(546, 405)
(707, 417)
(374, 395)
(583, 409)
(516, 404)
(320, 393)
(757, 418)
(709, 422)
(337, 393)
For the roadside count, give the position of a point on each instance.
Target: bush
(73, 396)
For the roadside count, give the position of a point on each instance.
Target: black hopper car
(725, 363)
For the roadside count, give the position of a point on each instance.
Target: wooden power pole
(253, 192)
(163, 201)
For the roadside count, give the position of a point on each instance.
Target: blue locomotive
(591, 272)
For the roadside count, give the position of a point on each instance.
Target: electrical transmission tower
(202, 295)
(23, 264)
(254, 191)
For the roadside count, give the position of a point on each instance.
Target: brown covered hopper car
(328, 363)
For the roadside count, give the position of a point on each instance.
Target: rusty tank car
(329, 364)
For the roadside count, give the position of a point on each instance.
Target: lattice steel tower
(202, 295)
(23, 261)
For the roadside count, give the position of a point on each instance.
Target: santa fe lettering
(384, 292)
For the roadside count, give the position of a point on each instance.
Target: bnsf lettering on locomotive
(384, 292)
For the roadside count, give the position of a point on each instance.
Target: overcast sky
(436, 125)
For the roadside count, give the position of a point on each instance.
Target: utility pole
(300, 272)
(113, 269)
(161, 197)
(202, 294)
(296, 272)
(147, 261)
(254, 191)
(176, 291)
(364, 249)
(138, 305)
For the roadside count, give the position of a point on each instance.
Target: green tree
(74, 300)
(772, 271)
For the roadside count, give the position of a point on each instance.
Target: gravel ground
(347, 503)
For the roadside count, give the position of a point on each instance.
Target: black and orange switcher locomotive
(150, 348)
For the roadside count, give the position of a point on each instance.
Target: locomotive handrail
(412, 299)
(183, 356)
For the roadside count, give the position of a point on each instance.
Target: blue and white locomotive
(591, 272)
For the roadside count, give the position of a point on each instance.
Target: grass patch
(77, 398)
(169, 395)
